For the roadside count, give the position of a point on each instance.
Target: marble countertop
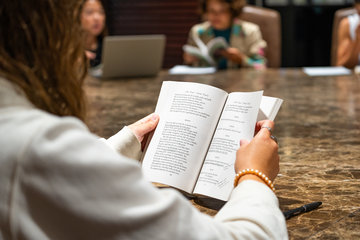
(318, 128)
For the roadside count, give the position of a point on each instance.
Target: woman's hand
(190, 59)
(143, 127)
(233, 54)
(260, 153)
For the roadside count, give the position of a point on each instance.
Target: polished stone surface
(318, 128)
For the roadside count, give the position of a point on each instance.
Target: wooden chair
(270, 26)
(339, 15)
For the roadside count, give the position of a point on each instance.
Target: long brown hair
(41, 51)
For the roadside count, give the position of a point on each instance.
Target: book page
(236, 122)
(216, 44)
(188, 113)
(269, 107)
(183, 69)
(196, 52)
(326, 71)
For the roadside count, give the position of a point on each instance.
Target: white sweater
(58, 181)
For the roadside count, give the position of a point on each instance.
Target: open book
(194, 145)
(206, 53)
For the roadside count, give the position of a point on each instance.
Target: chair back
(269, 22)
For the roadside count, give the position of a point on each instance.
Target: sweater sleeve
(255, 48)
(125, 143)
(69, 185)
(256, 207)
(192, 34)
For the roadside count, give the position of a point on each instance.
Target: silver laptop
(131, 56)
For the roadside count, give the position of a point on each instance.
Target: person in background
(244, 38)
(93, 25)
(348, 50)
(59, 181)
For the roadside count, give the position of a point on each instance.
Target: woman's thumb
(150, 124)
(243, 142)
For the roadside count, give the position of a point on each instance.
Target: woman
(244, 38)
(348, 50)
(59, 181)
(93, 25)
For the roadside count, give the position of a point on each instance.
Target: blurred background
(306, 25)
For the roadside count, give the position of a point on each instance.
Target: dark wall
(173, 18)
(306, 34)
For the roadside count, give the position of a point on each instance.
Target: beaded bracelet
(256, 173)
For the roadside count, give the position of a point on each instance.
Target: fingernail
(243, 141)
(154, 117)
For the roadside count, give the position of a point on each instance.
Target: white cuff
(126, 143)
